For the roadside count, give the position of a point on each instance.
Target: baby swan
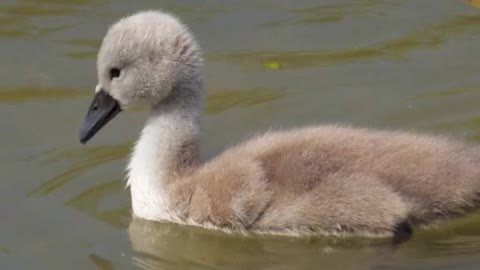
(314, 180)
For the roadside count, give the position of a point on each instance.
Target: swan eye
(114, 73)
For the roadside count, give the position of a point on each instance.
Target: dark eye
(114, 73)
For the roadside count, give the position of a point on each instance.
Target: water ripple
(16, 19)
(86, 159)
(225, 100)
(28, 94)
(432, 37)
(331, 13)
(88, 202)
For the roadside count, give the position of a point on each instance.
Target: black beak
(103, 109)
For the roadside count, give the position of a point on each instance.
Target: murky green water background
(382, 63)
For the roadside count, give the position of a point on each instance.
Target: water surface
(395, 64)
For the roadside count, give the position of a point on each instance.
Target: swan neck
(167, 149)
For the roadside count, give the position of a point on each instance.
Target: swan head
(143, 57)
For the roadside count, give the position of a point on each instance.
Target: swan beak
(103, 109)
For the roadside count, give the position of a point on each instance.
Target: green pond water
(397, 64)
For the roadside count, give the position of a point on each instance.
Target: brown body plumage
(332, 180)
